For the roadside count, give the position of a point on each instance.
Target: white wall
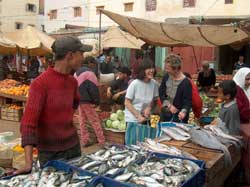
(65, 14)
(12, 11)
(165, 9)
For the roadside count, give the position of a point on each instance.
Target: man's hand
(24, 170)
(28, 149)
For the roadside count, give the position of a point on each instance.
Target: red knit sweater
(48, 118)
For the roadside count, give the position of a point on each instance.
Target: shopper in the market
(196, 98)
(117, 90)
(47, 122)
(140, 98)
(206, 78)
(240, 63)
(4, 69)
(33, 68)
(175, 92)
(242, 79)
(89, 100)
(229, 113)
(107, 66)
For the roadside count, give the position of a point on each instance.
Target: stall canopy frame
(166, 35)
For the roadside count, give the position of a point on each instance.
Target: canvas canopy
(31, 41)
(164, 34)
(115, 37)
(6, 45)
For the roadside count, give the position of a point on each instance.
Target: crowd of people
(55, 94)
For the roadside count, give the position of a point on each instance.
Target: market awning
(6, 45)
(31, 41)
(115, 37)
(164, 34)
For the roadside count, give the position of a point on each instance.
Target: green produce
(120, 115)
(108, 123)
(113, 116)
(115, 124)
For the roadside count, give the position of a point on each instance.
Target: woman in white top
(139, 100)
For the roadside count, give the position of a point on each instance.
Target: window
(52, 14)
(18, 25)
(128, 7)
(30, 7)
(31, 25)
(41, 7)
(229, 1)
(98, 8)
(77, 11)
(188, 3)
(151, 5)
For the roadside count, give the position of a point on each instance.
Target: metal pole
(100, 35)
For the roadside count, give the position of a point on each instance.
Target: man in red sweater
(48, 118)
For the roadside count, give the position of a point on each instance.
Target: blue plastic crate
(198, 179)
(62, 166)
(107, 182)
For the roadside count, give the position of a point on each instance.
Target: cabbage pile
(116, 121)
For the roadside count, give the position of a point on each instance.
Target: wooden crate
(11, 114)
(114, 137)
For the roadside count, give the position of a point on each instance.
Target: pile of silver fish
(176, 133)
(49, 176)
(157, 172)
(109, 160)
(154, 146)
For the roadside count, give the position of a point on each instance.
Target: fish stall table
(216, 171)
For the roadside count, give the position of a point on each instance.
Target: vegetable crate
(11, 114)
(114, 137)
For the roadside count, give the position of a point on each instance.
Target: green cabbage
(113, 116)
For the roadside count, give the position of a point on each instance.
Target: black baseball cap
(124, 70)
(69, 43)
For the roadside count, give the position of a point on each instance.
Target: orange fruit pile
(17, 90)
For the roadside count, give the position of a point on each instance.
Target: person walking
(89, 99)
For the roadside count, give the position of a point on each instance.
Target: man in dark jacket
(89, 98)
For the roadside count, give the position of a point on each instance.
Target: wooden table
(216, 172)
(18, 98)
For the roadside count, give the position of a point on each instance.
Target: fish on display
(159, 172)
(174, 134)
(109, 159)
(49, 176)
(218, 132)
(206, 139)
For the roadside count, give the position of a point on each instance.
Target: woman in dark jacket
(175, 92)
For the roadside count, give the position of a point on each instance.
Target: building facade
(59, 13)
(16, 15)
